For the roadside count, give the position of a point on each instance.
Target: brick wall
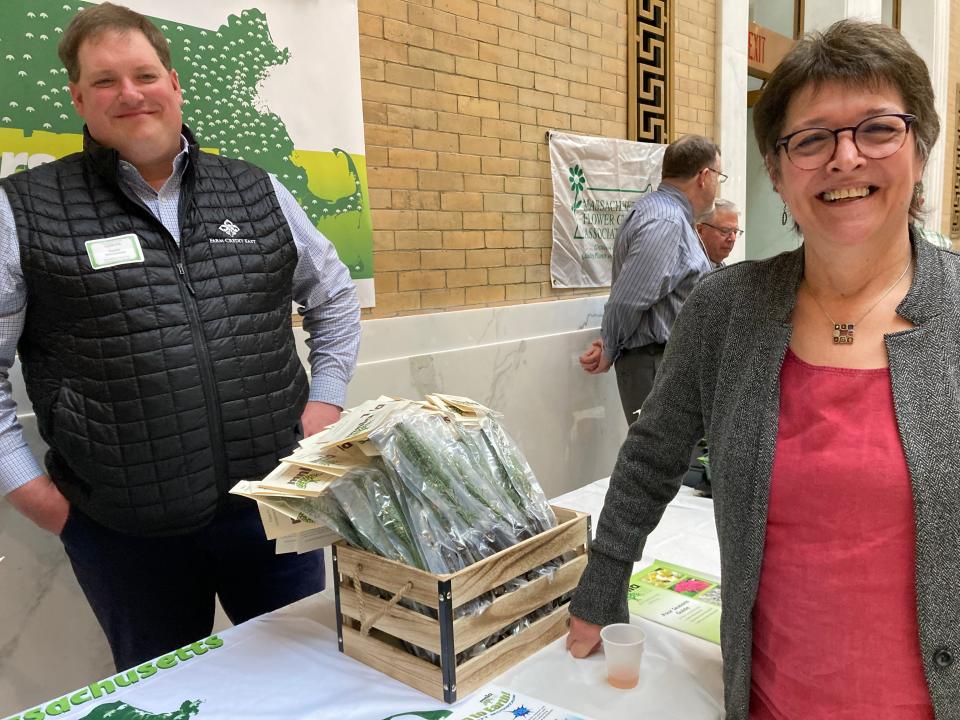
(694, 95)
(457, 98)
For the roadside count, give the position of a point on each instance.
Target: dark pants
(154, 595)
(636, 369)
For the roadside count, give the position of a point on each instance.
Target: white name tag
(120, 250)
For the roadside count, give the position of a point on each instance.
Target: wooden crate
(445, 634)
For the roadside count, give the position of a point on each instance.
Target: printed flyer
(498, 703)
(678, 597)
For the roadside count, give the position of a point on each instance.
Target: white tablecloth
(681, 675)
(286, 664)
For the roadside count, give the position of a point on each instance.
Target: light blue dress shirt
(657, 260)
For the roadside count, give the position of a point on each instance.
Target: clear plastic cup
(623, 648)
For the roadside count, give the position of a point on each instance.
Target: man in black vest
(147, 287)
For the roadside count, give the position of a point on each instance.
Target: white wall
(926, 25)
(731, 114)
(765, 235)
(774, 14)
(818, 14)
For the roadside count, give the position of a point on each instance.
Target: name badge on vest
(119, 250)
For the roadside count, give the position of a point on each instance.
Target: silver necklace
(843, 332)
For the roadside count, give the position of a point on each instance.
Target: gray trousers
(636, 369)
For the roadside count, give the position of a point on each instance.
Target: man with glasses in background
(657, 260)
(719, 228)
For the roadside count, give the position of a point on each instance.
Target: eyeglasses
(876, 137)
(721, 178)
(736, 232)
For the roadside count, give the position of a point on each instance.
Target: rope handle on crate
(367, 623)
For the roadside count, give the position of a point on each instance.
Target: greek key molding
(650, 90)
(955, 210)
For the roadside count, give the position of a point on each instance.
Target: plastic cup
(623, 648)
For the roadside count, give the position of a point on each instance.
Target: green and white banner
(278, 85)
(595, 183)
(281, 665)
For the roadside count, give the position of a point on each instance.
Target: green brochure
(678, 597)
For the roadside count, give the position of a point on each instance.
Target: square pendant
(843, 333)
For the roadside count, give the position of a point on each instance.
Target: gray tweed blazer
(721, 378)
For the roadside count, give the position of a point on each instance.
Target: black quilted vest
(157, 384)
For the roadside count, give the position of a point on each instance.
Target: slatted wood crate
(445, 633)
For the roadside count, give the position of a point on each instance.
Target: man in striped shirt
(657, 260)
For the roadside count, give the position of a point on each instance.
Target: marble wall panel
(568, 424)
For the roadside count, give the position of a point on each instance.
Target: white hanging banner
(595, 183)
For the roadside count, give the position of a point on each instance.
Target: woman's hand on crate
(583, 638)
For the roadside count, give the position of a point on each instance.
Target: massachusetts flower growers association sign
(595, 183)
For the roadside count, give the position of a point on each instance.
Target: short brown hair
(855, 53)
(93, 21)
(687, 156)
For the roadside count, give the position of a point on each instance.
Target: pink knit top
(835, 631)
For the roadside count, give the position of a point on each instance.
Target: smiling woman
(845, 135)
(844, 126)
(822, 378)
(851, 199)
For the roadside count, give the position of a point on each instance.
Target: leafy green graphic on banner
(121, 711)
(220, 71)
(577, 182)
